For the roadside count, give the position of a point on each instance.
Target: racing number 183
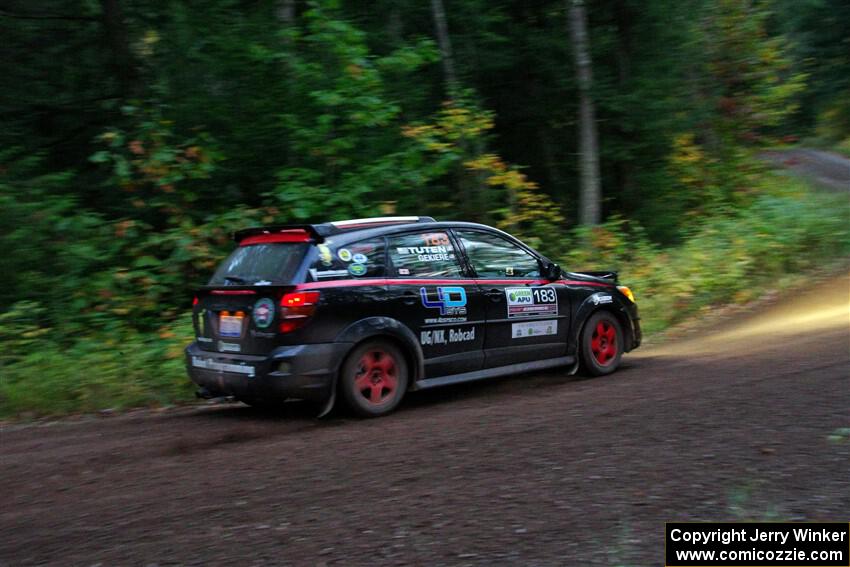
(435, 239)
(544, 295)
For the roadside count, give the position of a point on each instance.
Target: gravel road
(829, 170)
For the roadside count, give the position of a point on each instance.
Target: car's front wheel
(601, 344)
(374, 378)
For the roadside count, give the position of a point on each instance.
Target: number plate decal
(531, 302)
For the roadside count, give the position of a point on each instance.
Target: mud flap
(574, 368)
(329, 405)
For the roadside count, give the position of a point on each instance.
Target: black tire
(602, 342)
(374, 378)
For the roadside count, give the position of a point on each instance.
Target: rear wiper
(236, 280)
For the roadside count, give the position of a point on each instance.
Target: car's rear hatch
(241, 309)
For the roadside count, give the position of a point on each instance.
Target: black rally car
(370, 308)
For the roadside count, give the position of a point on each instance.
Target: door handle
(409, 297)
(495, 295)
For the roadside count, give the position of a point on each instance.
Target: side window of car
(495, 257)
(365, 259)
(423, 255)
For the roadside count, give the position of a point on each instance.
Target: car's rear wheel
(374, 378)
(601, 344)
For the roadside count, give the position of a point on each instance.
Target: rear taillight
(194, 301)
(296, 309)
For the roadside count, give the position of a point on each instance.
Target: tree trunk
(625, 169)
(442, 29)
(591, 192)
(471, 185)
(121, 58)
(285, 12)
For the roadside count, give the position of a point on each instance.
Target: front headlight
(627, 292)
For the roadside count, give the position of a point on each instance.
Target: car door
(431, 293)
(527, 316)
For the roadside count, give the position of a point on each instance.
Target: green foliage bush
(121, 370)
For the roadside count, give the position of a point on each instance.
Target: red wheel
(374, 378)
(601, 343)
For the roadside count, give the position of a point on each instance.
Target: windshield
(261, 264)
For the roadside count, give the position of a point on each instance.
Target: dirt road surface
(829, 170)
(533, 470)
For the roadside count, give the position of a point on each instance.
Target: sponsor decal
(403, 272)
(344, 254)
(357, 269)
(531, 302)
(533, 329)
(427, 253)
(263, 313)
(205, 339)
(451, 300)
(597, 299)
(360, 258)
(228, 347)
(329, 274)
(325, 255)
(446, 336)
(509, 271)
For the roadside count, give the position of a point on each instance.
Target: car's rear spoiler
(318, 232)
(309, 229)
(605, 275)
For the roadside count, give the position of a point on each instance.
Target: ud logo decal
(450, 300)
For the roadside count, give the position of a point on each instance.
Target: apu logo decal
(519, 296)
(450, 300)
(263, 313)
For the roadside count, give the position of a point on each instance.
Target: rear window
(260, 264)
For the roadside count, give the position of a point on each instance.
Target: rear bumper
(301, 371)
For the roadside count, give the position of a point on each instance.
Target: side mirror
(551, 271)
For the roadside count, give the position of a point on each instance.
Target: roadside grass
(97, 373)
(729, 257)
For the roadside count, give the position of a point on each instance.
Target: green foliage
(819, 32)
(753, 82)
(453, 145)
(107, 371)
(345, 136)
(154, 173)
